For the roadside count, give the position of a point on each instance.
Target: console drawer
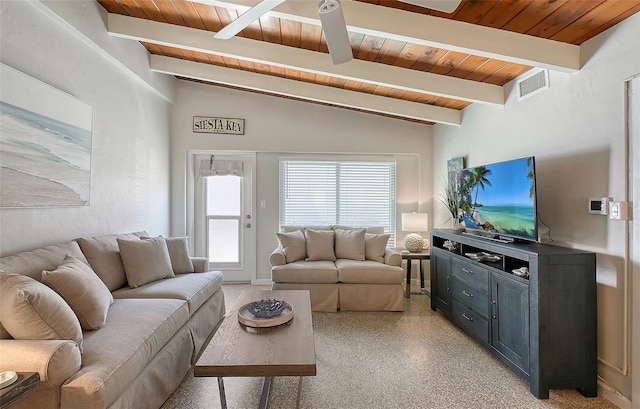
(477, 276)
(471, 322)
(470, 296)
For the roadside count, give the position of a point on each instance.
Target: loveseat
(108, 322)
(344, 268)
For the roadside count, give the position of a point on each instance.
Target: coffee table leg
(266, 389)
(223, 397)
(299, 393)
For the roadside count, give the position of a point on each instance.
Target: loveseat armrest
(200, 264)
(392, 257)
(55, 360)
(277, 257)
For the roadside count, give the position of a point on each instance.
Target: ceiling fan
(331, 18)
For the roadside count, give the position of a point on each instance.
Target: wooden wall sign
(208, 124)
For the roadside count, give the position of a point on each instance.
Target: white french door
(224, 225)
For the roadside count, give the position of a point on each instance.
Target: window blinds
(349, 193)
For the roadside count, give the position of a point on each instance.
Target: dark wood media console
(543, 326)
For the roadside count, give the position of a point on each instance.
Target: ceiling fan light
(335, 31)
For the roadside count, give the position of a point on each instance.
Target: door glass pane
(223, 195)
(224, 243)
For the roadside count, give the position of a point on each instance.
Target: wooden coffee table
(285, 350)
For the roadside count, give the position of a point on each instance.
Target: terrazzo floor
(369, 360)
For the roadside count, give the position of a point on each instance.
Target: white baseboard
(613, 397)
(262, 281)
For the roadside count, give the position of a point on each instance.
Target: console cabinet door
(440, 281)
(510, 319)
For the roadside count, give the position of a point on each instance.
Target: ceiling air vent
(532, 84)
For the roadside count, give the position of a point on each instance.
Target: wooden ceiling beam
(432, 31)
(303, 90)
(304, 60)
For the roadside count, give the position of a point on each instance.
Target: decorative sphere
(413, 242)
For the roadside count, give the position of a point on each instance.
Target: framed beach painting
(45, 144)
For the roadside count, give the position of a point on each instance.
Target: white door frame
(250, 247)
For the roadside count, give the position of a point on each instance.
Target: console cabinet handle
(466, 270)
(467, 317)
(467, 294)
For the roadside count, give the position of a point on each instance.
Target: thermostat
(599, 205)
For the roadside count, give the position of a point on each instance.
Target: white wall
(274, 126)
(576, 130)
(130, 153)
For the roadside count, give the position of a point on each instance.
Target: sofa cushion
(135, 331)
(305, 272)
(293, 245)
(31, 263)
(375, 245)
(350, 244)
(369, 272)
(103, 255)
(31, 310)
(86, 294)
(195, 289)
(145, 260)
(320, 245)
(178, 253)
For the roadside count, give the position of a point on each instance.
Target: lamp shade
(415, 222)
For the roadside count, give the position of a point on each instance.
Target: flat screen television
(499, 200)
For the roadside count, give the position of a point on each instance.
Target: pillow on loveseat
(31, 310)
(82, 289)
(375, 246)
(350, 244)
(145, 260)
(293, 245)
(320, 245)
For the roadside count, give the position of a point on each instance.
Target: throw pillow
(103, 254)
(319, 245)
(375, 246)
(293, 245)
(178, 253)
(350, 244)
(31, 310)
(145, 260)
(82, 289)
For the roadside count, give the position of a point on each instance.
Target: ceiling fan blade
(446, 6)
(247, 18)
(335, 31)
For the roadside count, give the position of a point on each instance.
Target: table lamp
(414, 223)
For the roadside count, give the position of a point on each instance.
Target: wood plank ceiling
(409, 62)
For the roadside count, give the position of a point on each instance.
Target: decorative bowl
(266, 308)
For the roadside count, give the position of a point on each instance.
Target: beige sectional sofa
(343, 268)
(152, 320)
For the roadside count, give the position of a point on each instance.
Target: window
(349, 193)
